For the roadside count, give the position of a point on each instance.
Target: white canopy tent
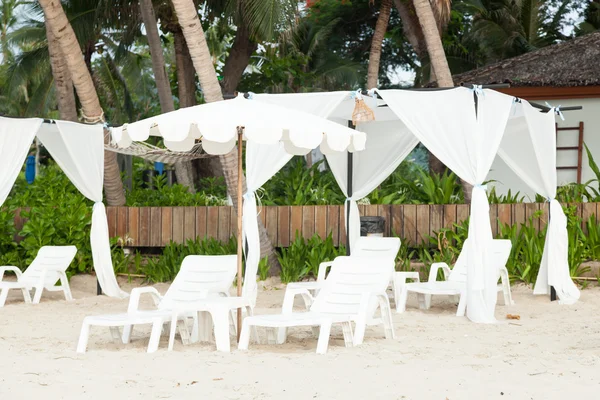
(79, 150)
(464, 128)
(274, 135)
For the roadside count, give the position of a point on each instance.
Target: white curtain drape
(262, 162)
(529, 149)
(16, 136)
(388, 144)
(467, 142)
(79, 151)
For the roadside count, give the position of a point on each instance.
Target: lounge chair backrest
(349, 279)
(377, 247)
(50, 259)
(499, 253)
(198, 276)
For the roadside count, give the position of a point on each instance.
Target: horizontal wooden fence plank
(158, 226)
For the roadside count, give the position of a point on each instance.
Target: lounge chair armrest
(504, 273)
(14, 269)
(134, 299)
(435, 267)
(288, 300)
(402, 276)
(323, 268)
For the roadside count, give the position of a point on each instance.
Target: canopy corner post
(350, 168)
(240, 134)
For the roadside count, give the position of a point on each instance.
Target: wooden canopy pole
(240, 132)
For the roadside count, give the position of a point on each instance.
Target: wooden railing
(157, 226)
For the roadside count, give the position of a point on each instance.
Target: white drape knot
(480, 186)
(478, 90)
(357, 94)
(556, 110)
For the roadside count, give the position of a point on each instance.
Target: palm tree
(377, 43)
(183, 170)
(62, 79)
(196, 41)
(7, 21)
(82, 80)
(507, 28)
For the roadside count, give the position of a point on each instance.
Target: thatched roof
(572, 63)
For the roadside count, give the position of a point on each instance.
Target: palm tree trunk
(186, 76)
(82, 80)
(238, 59)
(65, 96)
(435, 48)
(377, 43)
(196, 41)
(183, 170)
(438, 59)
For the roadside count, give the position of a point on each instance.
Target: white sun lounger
(456, 279)
(369, 247)
(200, 277)
(354, 288)
(48, 267)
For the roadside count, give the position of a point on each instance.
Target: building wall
(590, 115)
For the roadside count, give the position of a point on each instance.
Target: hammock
(157, 154)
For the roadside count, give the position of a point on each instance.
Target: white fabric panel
(16, 136)
(446, 123)
(101, 253)
(79, 151)
(529, 149)
(262, 162)
(389, 143)
(217, 123)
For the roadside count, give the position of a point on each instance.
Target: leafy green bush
(164, 195)
(296, 184)
(302, 257)
(165, 267)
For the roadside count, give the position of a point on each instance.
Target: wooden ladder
(579, 148)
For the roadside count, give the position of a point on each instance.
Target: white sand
(551, 353)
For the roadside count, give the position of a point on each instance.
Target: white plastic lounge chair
(48, 267)
(199, 278)
(355, 287)
(368, 247)
(219, 310)
(455, 283)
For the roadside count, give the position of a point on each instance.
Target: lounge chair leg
(401, 301)
(38, 294)
(83, 337)
(323, 341)
(245, 335)
(348, 336)
(427, 301)
(271, 335)
(462, 305)
(126, 333)
(220, 319)
(172, 332)
(254, 327)
(155, 336)
(26, 295)
(359, 331)
(64, 284)
(286, 308)
(422, 301)
(114, 332)
(4, 295)
(195, 329)
(386, 316)
(183, 332)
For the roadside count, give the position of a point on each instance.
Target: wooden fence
(157, 226)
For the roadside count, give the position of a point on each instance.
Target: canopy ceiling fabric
(79, 150)
(216, 125)
(446, 123)
(530, 152)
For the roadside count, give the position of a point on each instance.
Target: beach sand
(552, 352)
